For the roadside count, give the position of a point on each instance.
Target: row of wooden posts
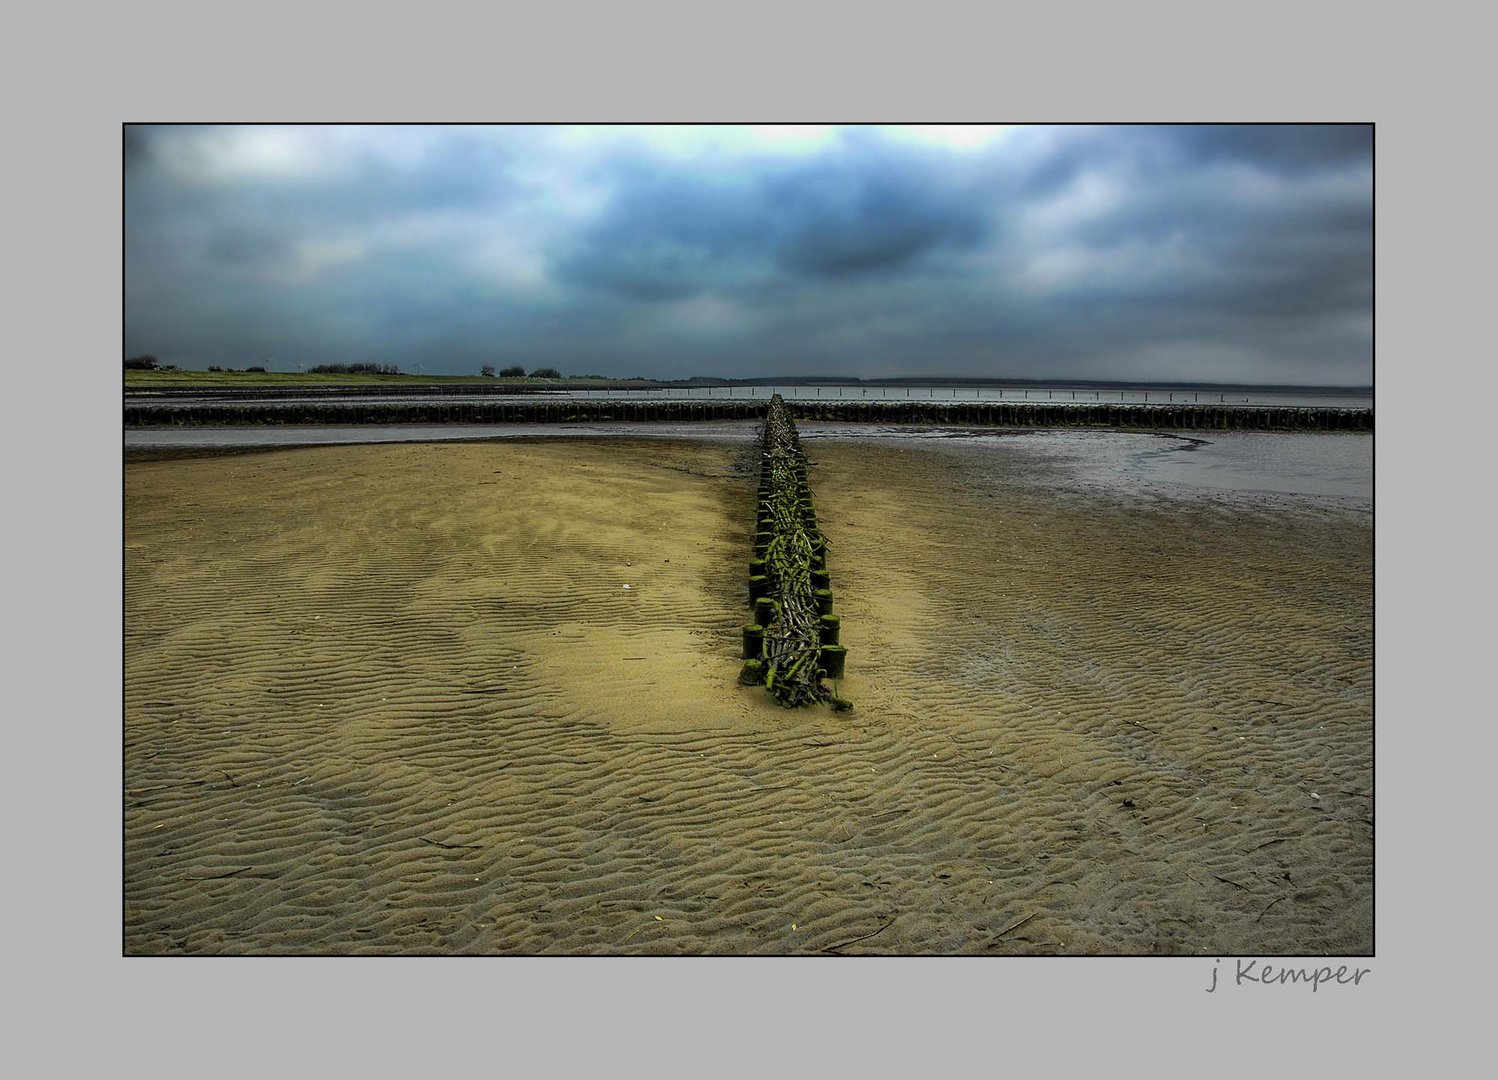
(792, 642)
(981, 414)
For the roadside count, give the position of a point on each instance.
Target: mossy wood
(789, 584)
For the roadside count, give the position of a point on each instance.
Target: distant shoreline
(168, 381)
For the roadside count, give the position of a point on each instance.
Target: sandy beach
(481, 698)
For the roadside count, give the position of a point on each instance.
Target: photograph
(732, 540)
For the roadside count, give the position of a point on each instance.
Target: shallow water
(1336, 466)
(1296, 463)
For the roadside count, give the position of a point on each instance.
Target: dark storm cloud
(1250, 239)
(1187, 252)
(666, 235)
(663, 235)
(1294, 251)
(1287, 148)
(870, 211)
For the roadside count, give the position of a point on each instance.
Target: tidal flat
(481, 698)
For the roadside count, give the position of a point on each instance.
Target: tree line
(519, 372)
(151, 363)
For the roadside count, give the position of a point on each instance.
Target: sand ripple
(397, 699)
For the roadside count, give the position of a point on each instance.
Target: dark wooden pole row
(792, 644)
(1122, 415)
(966, 414)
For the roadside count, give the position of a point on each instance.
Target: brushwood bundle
(792, 644)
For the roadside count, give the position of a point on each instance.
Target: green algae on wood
(790, 553)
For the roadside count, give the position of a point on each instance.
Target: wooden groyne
(792, 644)
(1024, 414)
(590, 411)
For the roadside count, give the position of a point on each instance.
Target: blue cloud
(1071, 251)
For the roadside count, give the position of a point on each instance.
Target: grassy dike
(251, 380)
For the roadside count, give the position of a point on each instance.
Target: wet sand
(397, 699)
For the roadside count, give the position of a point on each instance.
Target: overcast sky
(1225, 254)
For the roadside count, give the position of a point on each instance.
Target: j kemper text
(1254, 971)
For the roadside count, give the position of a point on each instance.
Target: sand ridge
(397, 699)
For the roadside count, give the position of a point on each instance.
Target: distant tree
(546, 373)
(142, 363)
(214, 367)
(512, 373)
(487, 371)
(259, 369)
(355, 369)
